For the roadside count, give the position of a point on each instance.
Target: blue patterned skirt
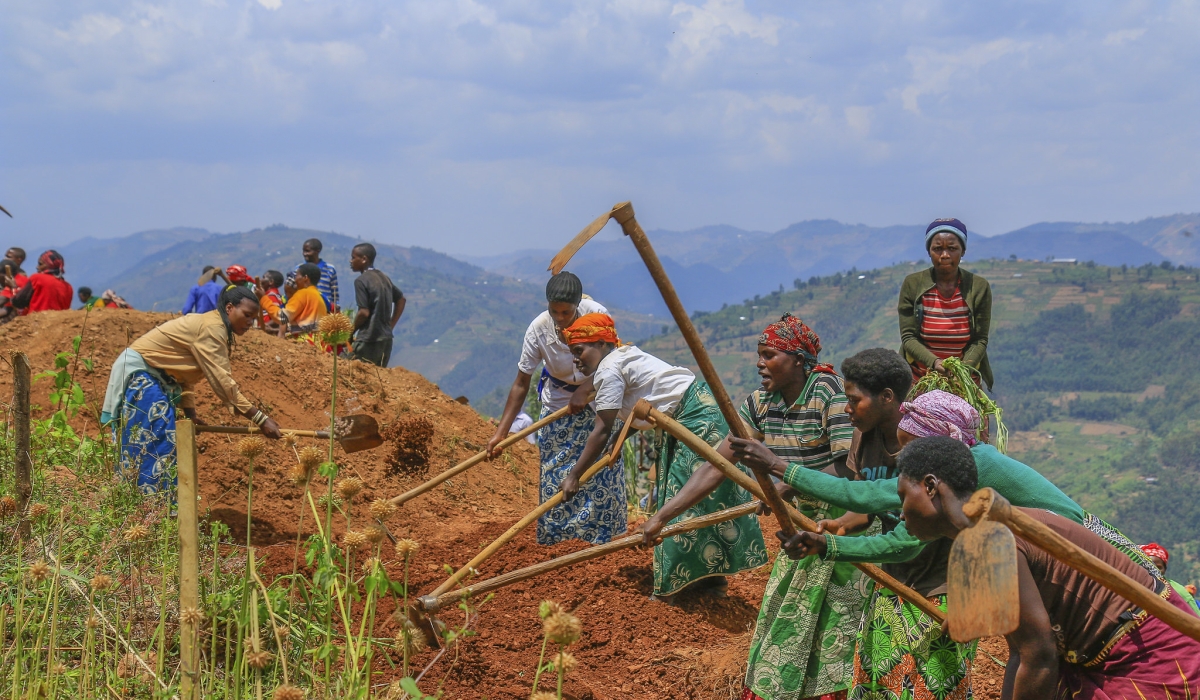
(147, 433)
(598, 512)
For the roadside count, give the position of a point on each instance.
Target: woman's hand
(756, 455)
(570, 487)
(939, 367)
(493, 446)
(802, 544)
(579, 401)
(270, 429)
(650, 531)
(833, 527)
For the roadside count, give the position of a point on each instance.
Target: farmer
(12, 280)
(89, 300)
(17, 255)
(160, 370)
(939, 413)
(945, 311)
(622, 375)
(1158, 556)
(270, 298)
(599, 510)
(328, 286)
(1076, 639)
(306, 306)
(45, 290)
(237, 274)
(380, 305)
(203, 295)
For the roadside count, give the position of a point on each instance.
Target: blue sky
(477, 127)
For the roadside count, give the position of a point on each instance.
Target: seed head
(543, 695)
(310, 457)
(287, 692)
(548, 608)
(298, 475)
(411, 638)
(37, 510)
(375, 535)
(563, 628)
(564, 662)
(58, 668)
(349, 487)
(38, 571)
(406, 548)
(369, 565)
(288, 438)
(353, 539)
(101, 582)
(8, 506)
(259, 660)
(323, 500)
(92, 622)
(191, 616)
(335, 328)
(251, 447)
(382, 509)
(137, 533)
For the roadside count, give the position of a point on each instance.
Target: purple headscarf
(940, 413)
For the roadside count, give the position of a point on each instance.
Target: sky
(483, 127)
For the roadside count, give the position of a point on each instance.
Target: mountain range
(466, 315)
(717, 265)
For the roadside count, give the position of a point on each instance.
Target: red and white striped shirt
(945, 323)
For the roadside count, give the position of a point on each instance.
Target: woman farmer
(803, 642)
(623, 375)
(599, 511)
(1075, 638)
(160, 370)
(945, 311)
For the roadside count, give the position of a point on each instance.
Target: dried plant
(563, 628)
(311, 457)
(251, 447)
(563, 662)
(375, 535)
(137, 533)
(349, 487)
(410, 638)
(38, 571)
(101, 582)
(37, 510)
(335, 329)
(287, 692)
(299, 475)
(8, 506)
(191, 616)
(258, 660)
(406, 547)
(382, 509)
(353, 539)
(548, 608)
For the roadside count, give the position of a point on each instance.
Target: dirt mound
(631, 648)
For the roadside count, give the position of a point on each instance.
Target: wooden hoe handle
(623, 213)
(806, 523)
(1070, 554)
(434, 603)
(255, 430)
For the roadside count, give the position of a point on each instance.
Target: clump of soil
(632, 648)
(411, 440)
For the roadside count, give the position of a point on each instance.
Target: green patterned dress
(803, 643)
(723, 549)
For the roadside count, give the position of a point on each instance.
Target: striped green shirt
(811, 433)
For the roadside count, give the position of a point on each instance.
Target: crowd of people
(884, 473)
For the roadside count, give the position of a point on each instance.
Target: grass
(87, 614)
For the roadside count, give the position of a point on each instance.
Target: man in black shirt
(380, 304)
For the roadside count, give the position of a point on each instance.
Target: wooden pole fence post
(189, 561)
(24, 461)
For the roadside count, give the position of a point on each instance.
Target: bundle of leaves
(412, 443)
(962, 380)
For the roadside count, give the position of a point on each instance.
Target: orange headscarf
(592, 328)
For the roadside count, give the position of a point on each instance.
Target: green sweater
(1017, 482)
(976, 292)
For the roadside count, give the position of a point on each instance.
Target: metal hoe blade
(358, 432)
(983, 598)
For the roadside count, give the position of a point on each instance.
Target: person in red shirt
(46, 289)
(12, 280)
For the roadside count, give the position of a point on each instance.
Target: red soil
(631, 647)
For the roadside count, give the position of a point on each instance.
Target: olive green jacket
(976, 292)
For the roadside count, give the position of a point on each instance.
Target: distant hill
(462, 327)
(1095, 366)
(718, 265)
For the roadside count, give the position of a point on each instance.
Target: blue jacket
(203, 297)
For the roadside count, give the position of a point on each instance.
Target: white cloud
(1124, 36)
(271, 4)
(703, 30)
(935, 72)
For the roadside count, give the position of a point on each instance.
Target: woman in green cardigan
(945, 311)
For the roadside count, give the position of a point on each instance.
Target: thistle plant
(564, 629)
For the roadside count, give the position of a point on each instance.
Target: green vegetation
(1095, 371)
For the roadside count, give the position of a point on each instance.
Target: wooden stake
(24, 465)
(189, 560)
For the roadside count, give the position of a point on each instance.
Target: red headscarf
(1155, 549)
(237, 274)
(793, 336)
(592, 328)
(52, 262)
